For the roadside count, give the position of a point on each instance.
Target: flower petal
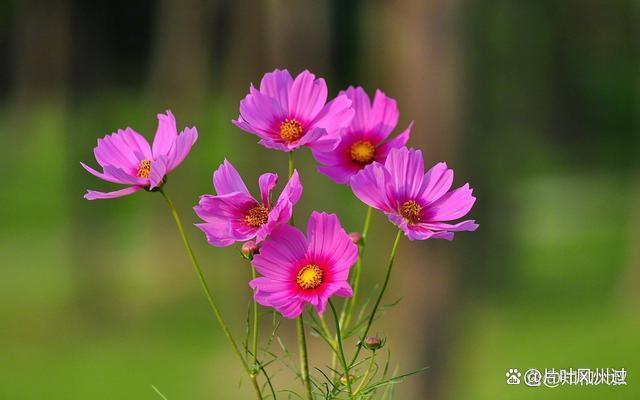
(276, 85)
(453, 205)
(437, 181)
(230, 206)
(382, 151)
(335, 115)
(124, 177)
(157, 173)
(137, 143)
(279, 256)
(95, 195)
(383, 118)
(373, 186)
(166, 135)
(101, 175)
(406, 167)
(306, 97)
(217, 231)
(316, 139)
(226, 179)
(186, 139)
(114, 150)
(260, 113)
(267, 182)
(362, 108)
(340, 173)
(293, 190)
(329, 245)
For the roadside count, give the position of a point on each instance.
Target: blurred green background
(535, 103)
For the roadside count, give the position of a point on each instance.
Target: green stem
(392, 256)
(290, 163)
(254, 347)
(343, 360)
(358, 268)
(208, 295)
(349, 304)
(365, 377)
(304, 359)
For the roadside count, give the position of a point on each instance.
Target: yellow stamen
(257, 216)
(144, 169)
(290, 130)
(410, 211)
(362, 152)
(309, 277)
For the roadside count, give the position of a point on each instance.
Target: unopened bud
(343, 379)
(355, 237)
(373, 343)
(249, 249)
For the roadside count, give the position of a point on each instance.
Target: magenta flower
(233, 215)
(416, 202)
(288, 113)
(363, 141)
(297, 270)
(127, 158)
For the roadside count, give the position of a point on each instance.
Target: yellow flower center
(144, 169)
(257, 216)
(410, 211)
(362, 152)
(290, 130)
(309, 277)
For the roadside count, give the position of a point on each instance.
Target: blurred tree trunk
(40, 50)
(291, 34)
(181, 64)
(414, 56)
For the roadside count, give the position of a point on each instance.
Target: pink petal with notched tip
(383, 117)
(330, 244)
(226, 179)
(280, 256)
(260, 113)
(185, 141)
(267, 182)
(406, 167)
(307, 96)
(335, 115)
(166, 135)
(437, 181)
(361, 106)
(374, 186)
(277, 85)
(453, 205)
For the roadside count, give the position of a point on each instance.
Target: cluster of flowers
(349, 136)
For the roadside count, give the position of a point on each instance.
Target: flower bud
(343, 379)
(249, 249)
(373, 343)
(355, 237)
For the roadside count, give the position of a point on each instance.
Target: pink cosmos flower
(288, 113)
(363, 141)
(127, 158)
(416, 202)
(297, 270)
(233, 215)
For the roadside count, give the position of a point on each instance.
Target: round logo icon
(532, 377)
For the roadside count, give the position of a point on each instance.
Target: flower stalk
(392, 257)
(209, 296)
(304, 358)
(343, 360)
